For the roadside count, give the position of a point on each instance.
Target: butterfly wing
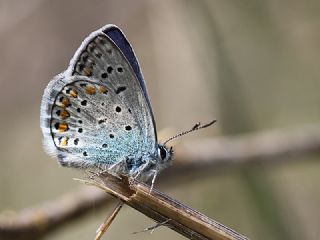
(97, 112)
(120, 40)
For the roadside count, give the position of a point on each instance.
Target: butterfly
(97, 113)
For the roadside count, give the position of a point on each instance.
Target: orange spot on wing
(90, 90)
(64, 142)
(64, 114)
(73, 93)
(103, 89)
(66, 102)
(63, 127)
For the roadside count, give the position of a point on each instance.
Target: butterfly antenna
(196, 127)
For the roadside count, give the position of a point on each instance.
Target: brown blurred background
(252, 64)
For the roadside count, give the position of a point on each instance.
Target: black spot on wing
(120, 89)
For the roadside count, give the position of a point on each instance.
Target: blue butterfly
(97, 113)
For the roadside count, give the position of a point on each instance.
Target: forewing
(99, 57)
(122, 43)
(104, 135)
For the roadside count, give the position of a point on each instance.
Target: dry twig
(162, 208)
(34, 223)
(106, 224)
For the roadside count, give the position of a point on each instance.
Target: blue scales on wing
(97, 112)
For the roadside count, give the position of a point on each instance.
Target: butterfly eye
(162, 152)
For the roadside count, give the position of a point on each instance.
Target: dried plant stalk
(163, 209)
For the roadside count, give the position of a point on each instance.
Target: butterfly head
(163, 157)
(165, 153)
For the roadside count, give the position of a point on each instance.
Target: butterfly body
(97, 113)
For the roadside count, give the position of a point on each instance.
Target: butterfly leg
(113, 166)
(141, 169)
(137, 171)
(155, 173)
(113, 169)
(101, 170)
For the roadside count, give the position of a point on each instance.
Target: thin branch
(106, 224)
(162, 208)
(265, 147)
(34, 223)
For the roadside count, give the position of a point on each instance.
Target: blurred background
(252, 64)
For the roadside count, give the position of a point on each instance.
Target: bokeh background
(251, 64)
